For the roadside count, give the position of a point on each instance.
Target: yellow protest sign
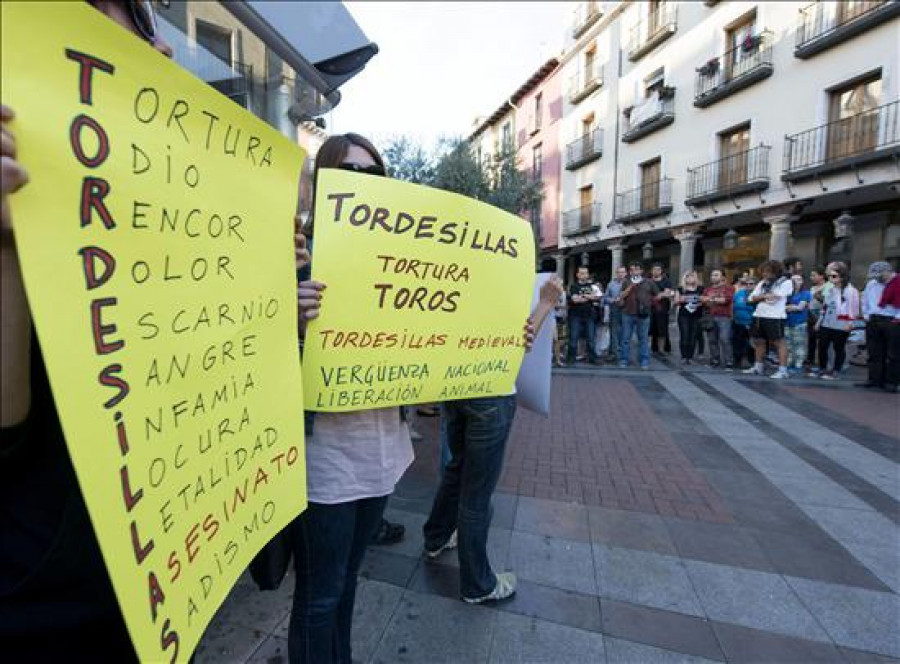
(426, 299)
(156, 240)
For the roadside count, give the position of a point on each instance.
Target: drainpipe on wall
(616, 150)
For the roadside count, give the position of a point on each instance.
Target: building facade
(252, 53)
(702, 134)
(529, 121)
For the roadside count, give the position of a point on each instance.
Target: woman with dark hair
(353, 462)
(770, 297)
(819, 287)
(840, 309)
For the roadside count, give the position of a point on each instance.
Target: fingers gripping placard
(156, 240)
(426, 296)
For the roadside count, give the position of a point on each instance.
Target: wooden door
(739, 60)
(651, 173)
(847, 10)
(853, 119)
(654, 17)
(587, 206)
(590, 57)
(733, 163)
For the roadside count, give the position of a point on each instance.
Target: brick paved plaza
(661, 516)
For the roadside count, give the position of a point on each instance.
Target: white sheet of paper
(533, 382)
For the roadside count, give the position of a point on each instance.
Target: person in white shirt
(840, 310)
(770, 297)
(879, 326)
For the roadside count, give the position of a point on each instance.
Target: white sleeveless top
(356, 455)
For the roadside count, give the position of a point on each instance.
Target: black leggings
(827, 337)
(688, 329)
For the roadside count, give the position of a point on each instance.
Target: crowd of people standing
(799, 323)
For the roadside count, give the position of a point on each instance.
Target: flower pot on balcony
(710, 68)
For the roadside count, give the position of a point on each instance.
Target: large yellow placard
(427, 293)
(156, 239)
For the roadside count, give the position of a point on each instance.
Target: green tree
(498, 181)
(458, 170)
(408, 161)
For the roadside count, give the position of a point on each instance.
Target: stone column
(688, 240)
(780, 236)
(560, 266)
(617, 250)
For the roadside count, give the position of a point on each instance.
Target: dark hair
(716, 269)
(331, 155)
(636, 264)
(843, 274)
(818, 269)
(775, 267)
(659, 265)
(790, 263)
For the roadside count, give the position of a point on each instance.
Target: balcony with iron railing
(584, 16)
(734, 70)
(581, 220)
(826, 24)
(652, 199)
(843, 144)
(737, 174)
(653, 30)
(586, 81)
(654, 112)
(584, 150)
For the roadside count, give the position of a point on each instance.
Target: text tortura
(424, 227)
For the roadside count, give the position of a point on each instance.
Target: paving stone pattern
(604, 446)
(651, 518)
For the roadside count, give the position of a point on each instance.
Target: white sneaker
(781, 374)
(753, 371)
(446, 546)
(506, 587)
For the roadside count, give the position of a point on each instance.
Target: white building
(723, 133)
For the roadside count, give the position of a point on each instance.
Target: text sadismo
(433, 305)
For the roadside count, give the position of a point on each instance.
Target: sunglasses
(374, 169)
(833, 276)
(144, 18)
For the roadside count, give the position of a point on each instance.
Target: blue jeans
(582, 327)
(445, 454)
(720, 341)
(476, 431)
(329, 545)
(615, 331)
(640, 326)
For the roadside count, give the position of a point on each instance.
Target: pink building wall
(548, 137)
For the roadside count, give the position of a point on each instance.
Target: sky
(441, 64)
